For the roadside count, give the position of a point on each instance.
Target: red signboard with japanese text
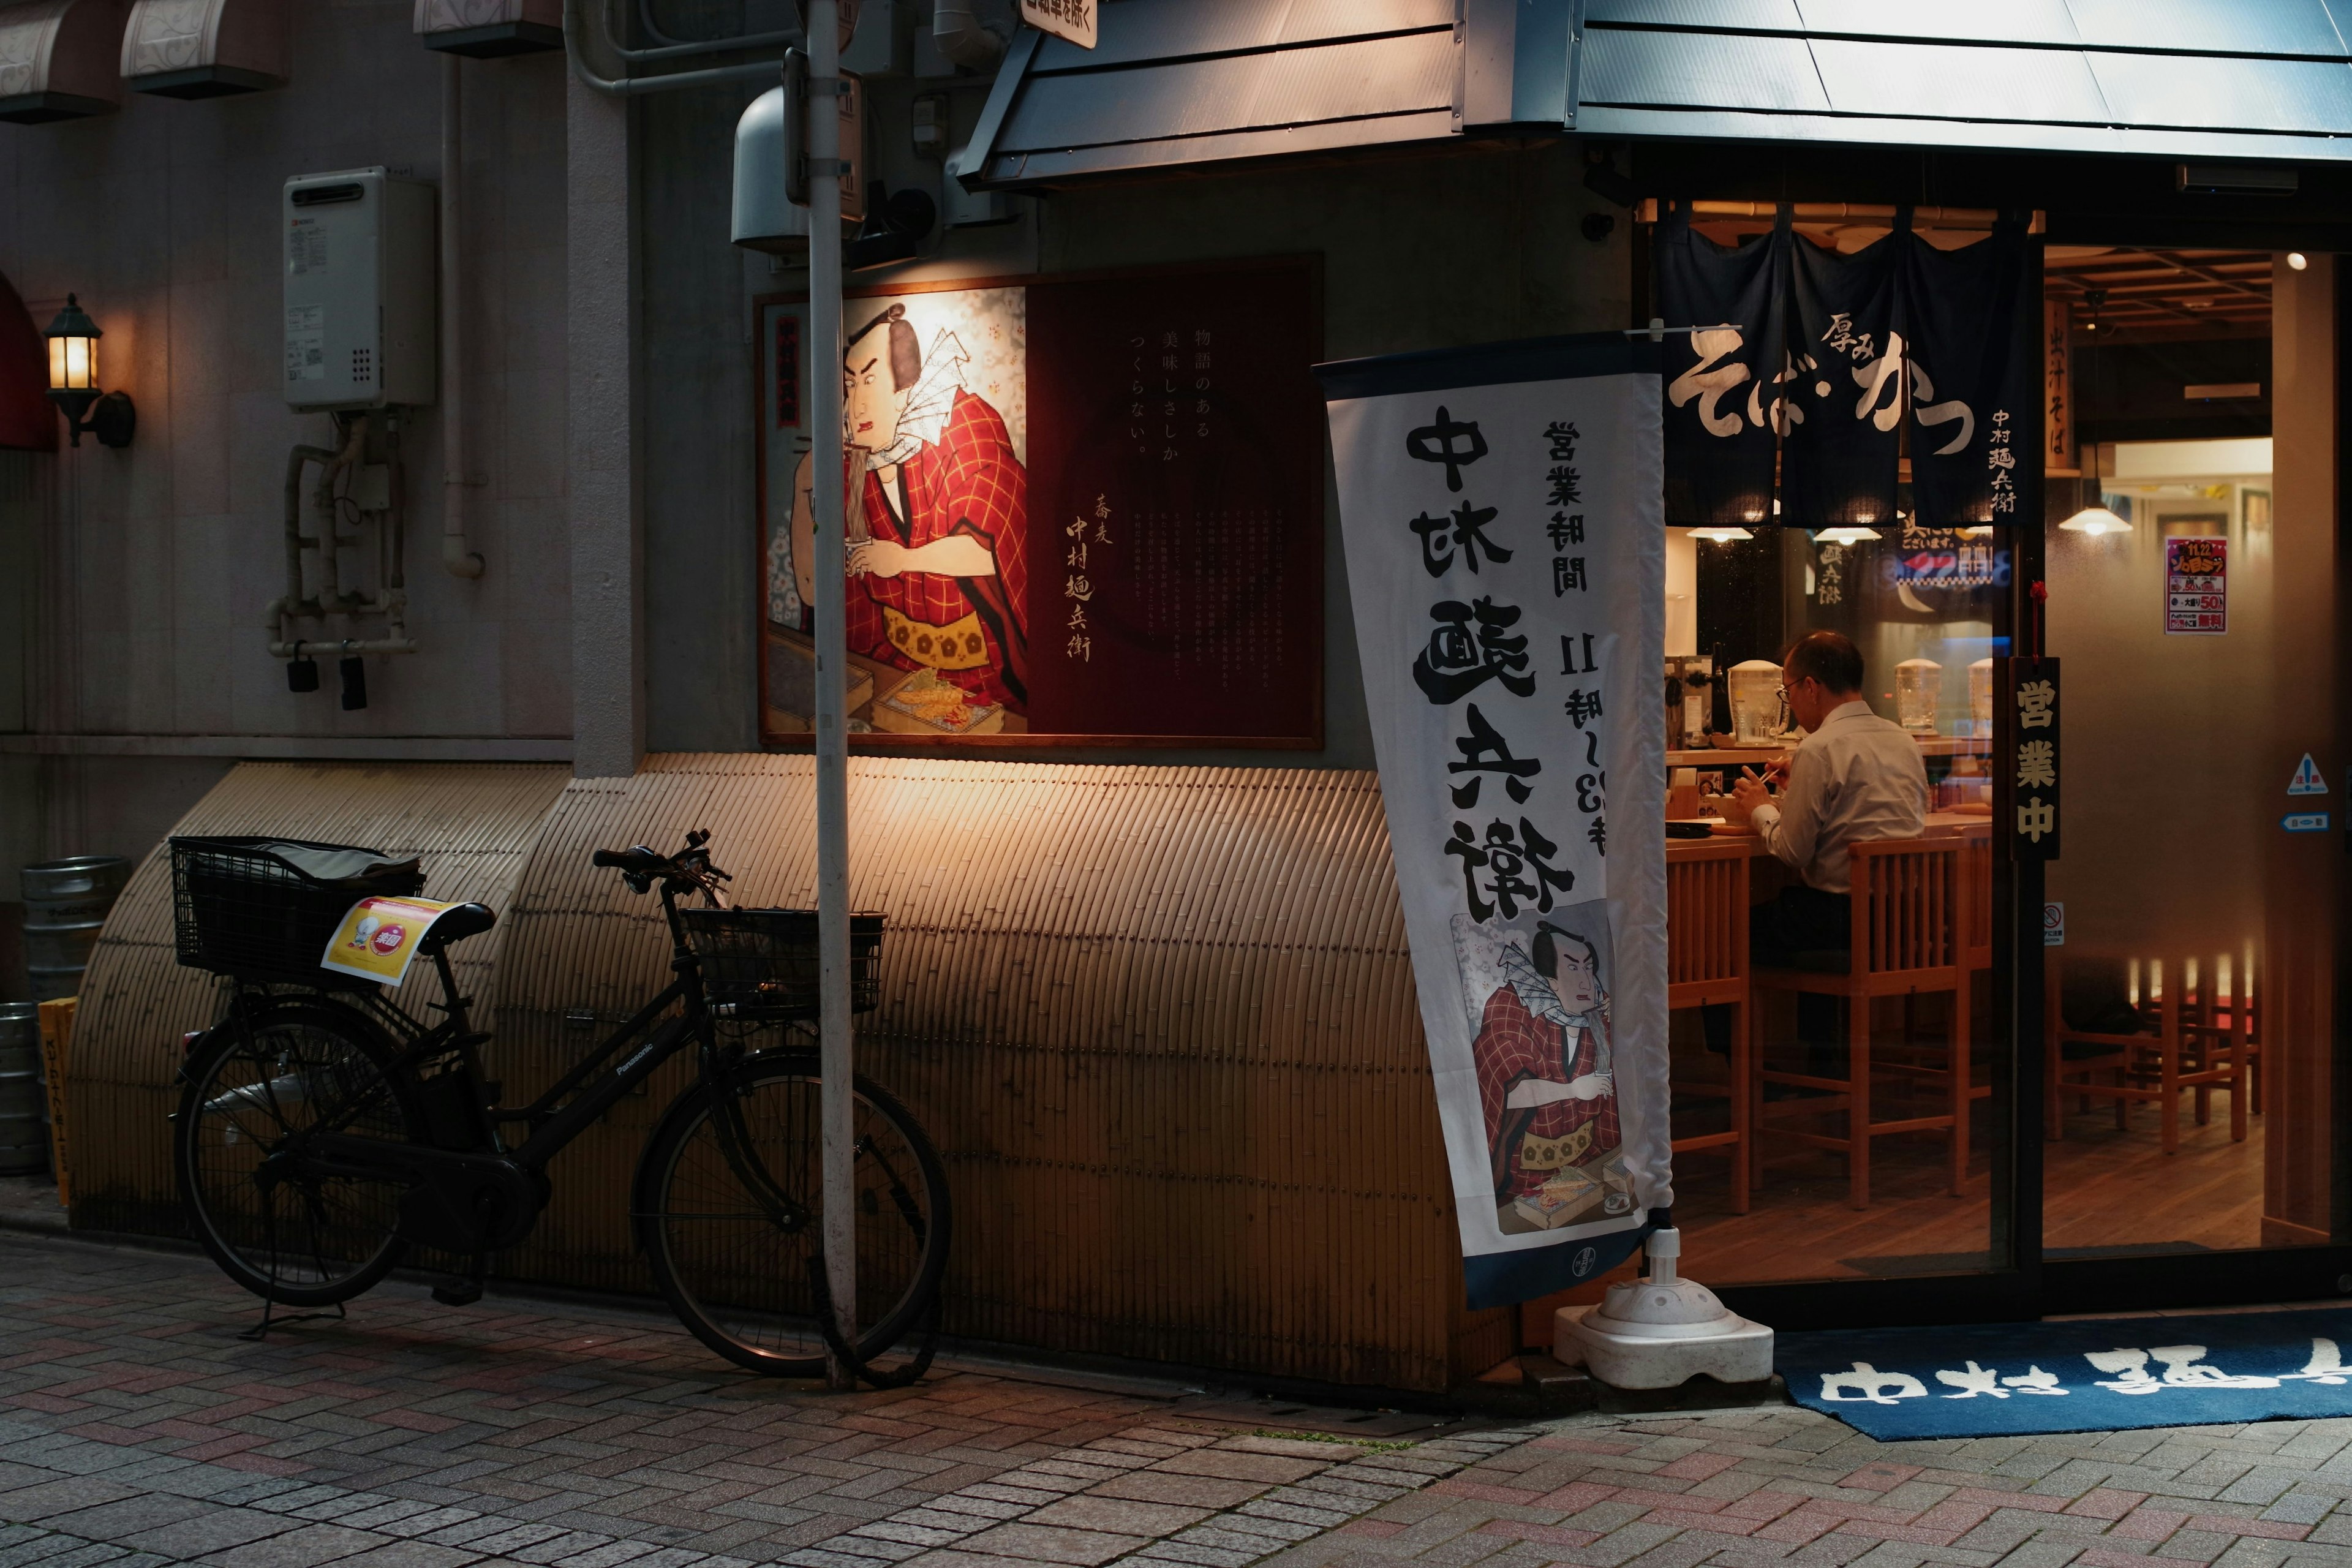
(1081, 509)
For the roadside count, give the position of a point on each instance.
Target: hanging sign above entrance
(1071, 19)
(1500, 509)
(1831, 367)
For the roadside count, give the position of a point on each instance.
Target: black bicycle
(322, 1131)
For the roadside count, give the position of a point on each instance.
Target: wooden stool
(1706, 966)
(1910, 915)
(2185, 1043)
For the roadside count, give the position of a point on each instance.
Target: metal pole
(832, 661)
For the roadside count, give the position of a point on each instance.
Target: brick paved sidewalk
(1785, 1486)
(136, 1429)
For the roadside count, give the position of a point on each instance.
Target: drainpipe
(604, 67)
(456, 557)
(963, 38)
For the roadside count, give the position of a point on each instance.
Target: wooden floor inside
(2109, 1192)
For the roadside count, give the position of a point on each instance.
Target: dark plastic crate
(762, 963)
(241, 909)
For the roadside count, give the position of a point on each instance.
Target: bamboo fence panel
(1160, 1021)
(470, 823)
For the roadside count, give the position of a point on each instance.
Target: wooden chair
(2231, 1023)
(1706, 966)
(1911, 914)
(2185, 1042)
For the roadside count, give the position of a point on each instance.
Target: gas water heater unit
(359, 252)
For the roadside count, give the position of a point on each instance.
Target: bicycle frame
(575, 1102)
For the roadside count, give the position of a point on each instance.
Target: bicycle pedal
(458, 1292)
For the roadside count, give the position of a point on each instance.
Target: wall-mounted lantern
(73, 381)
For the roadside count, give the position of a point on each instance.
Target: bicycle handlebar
(687, 872)
(636, 859)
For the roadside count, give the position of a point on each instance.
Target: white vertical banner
(1503, 517)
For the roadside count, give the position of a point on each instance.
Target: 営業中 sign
(1501, 512)
(2033, 757)
(2197, 586)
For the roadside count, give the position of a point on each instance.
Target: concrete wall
(608, 362)
(146, 653)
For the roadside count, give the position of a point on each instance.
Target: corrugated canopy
(2204, 78)
(1180, 82)
(1195, 81)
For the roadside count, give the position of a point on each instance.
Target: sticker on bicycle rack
(379, 937)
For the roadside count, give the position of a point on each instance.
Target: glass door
(2190, 1036)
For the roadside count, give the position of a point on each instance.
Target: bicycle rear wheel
(257, 1080)
(737, 1277)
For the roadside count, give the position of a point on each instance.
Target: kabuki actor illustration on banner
(938, 508)
(1081, 507)
(1505, 559)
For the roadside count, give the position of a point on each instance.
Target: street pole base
(1662, 1331)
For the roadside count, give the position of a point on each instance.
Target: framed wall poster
(1082, 509)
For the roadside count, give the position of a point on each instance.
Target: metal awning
(2265, 79)
(1183, 82)
(1194, 82)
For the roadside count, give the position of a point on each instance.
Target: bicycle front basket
(264, 909)
(762, 963)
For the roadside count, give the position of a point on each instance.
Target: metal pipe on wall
(604, 66)
(456, 556)
(960, 35)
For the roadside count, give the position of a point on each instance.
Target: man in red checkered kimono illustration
(1545, 1076)
(937, 505)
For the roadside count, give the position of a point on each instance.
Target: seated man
(1856, 777)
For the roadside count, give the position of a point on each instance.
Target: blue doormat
(2099, 1374)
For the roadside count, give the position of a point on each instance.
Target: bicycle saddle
(465, 921)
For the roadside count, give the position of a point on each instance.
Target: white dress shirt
(1855, 779)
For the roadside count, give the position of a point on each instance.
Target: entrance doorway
(2153, 1083)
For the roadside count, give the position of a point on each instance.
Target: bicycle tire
(739, 1282)
(255, 1077)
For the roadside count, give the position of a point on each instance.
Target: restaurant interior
(2173, 1123)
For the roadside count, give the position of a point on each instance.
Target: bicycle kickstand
(464, 1289)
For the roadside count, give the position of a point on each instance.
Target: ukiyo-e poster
(1084, 507)
(1506, 558)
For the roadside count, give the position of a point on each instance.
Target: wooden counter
(1758, 756)
(1940, 825)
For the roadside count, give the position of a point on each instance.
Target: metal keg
(64, 906)
(24, 1111)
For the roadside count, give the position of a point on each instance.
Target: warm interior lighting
(73, 350)
(73, 380)
(2297, 261)
(1849, 535)
(1721, 534)
(2095, 521)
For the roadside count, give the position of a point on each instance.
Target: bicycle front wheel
(255, 1084)
(735, 1268)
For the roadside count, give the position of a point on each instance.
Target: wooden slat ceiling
(2145, 295)
(2136, 295)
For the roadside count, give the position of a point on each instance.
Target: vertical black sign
(2032, 762)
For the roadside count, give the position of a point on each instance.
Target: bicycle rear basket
(264, 909)
(762, 963)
